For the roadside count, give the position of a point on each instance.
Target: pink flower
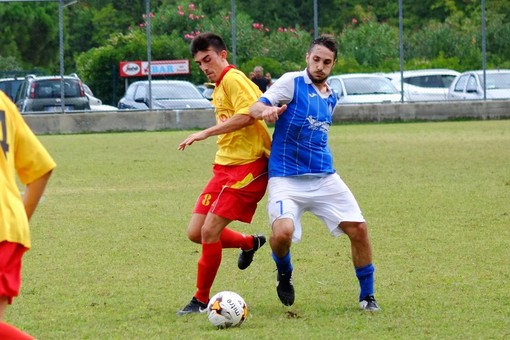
(191, 16)
(191, 7)
(181, 13)
(280, 29)
(354, 21)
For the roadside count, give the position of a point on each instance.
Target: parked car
(166, 94)
(424, 85)
(96, 104)
(10, 86)
(363, 88)
(469, 85)
(42, 94)
(206, 89)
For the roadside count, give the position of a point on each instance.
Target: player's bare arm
(268, 113)
(234, 123)
(33, 193)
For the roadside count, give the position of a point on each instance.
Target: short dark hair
(327, 41)
(204, 41)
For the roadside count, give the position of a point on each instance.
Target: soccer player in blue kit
(301, 172)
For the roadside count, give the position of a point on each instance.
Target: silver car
(424, 85)
(470, 86)
(360, 88)
(43, 94)
(165, 94)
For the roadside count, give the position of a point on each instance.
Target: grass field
(110, 258)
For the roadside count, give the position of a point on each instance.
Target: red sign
(158, 68)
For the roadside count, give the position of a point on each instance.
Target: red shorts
(234, 191)
(10, 268)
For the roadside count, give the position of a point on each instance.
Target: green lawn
(110, 258)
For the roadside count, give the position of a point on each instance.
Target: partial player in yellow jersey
(22, 156)
(239, 172)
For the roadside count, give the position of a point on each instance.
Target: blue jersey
(300, 139)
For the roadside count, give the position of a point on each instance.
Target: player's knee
(357, 231)
(195, 239)
(194, 236)
(282, 232)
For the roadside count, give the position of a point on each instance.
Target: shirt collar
(225, 70)
(309, 81)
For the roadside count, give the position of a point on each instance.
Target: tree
(30, 33)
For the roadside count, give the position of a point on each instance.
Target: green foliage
(369, 43)
(30, 34)
(9, 63)
(441, 39)
(99, 66)
(439, 62)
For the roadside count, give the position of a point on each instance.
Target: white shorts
(327, 197)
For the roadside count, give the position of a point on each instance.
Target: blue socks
(364, 274)
(283, 264)
(366, 280)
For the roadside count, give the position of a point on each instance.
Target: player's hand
(272, 113)
(191, 139)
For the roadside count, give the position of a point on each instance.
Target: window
(461, 84)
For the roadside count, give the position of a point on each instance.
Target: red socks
(233, 239)
(8, 332)
(208, 265)
(210, 260)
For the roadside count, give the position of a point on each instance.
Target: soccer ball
(227, 309)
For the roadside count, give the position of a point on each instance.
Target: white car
(95, 103)
(469, 85)
(424, 85)
(360, 88)
(165, 95)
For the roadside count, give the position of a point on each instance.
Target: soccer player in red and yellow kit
(239, 172)
(23, 155)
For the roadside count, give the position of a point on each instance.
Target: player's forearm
(33, 193)
(268, 113)
(257, 109)
(234, 123)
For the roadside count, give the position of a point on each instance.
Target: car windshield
(174, 91)
(368, 85)
(497, 81)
